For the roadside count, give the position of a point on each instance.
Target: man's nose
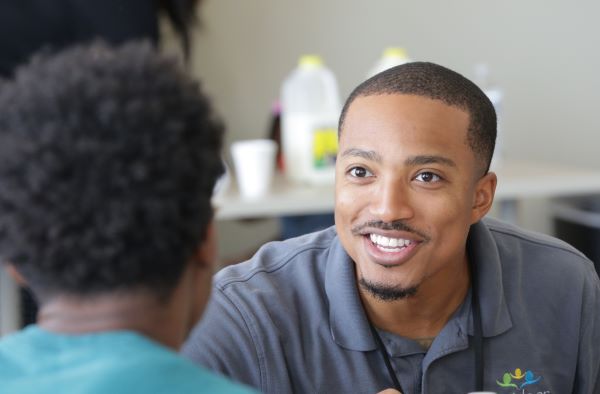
(392, 201)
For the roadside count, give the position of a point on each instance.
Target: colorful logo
(518, 380)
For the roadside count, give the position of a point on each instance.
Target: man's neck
(427, 312)
(138, 312)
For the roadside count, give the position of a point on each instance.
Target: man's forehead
(370, 113)
(407, 128)
(380, 103)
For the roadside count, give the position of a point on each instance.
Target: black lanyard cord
(477, 337)
(477, 328)
(386, 359)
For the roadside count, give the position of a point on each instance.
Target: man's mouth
(389, 244)
(391, 250)
(374, 226)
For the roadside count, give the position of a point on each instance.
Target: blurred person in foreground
(412, 289)
(28, 26)
(108, 159)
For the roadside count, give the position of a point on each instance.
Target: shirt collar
(483, 249)
(347, 318)
(348, 321)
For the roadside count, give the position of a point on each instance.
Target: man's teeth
(387, 242)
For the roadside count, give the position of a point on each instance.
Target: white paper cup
(254, 162)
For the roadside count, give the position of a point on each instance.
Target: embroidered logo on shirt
(519, 382)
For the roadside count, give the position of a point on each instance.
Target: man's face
(408, 188)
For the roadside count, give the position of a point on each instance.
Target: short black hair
(108, 159)
(439, 83)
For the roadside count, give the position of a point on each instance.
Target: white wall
(543, 53)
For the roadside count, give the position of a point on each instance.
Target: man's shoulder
(277, 260)
(518, 244)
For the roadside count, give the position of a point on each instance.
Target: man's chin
(386, 292)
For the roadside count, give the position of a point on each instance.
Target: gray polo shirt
(291, 320)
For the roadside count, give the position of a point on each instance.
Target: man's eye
(428, 177)
(359, 172)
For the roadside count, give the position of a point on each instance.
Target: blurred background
(542, 54)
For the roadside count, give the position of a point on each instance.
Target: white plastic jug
(310, 108)
(392, 56)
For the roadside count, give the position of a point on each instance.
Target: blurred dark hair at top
(108, 159)
(182, 14)
(31, 25)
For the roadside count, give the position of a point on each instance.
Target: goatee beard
(387, 293)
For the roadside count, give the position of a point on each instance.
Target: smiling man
(411, 289)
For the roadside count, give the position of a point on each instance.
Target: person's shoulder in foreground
(413, 289)
(109, 158)
(108, 362)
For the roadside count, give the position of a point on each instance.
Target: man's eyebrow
(410, 161)
(429, 159)
(365, 154)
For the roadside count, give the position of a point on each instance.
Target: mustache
(398, 225)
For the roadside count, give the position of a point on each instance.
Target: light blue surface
(37, 361)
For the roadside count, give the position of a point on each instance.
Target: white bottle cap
(310, 61)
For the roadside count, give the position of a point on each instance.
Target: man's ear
(206, 253)
(16, 275)
(485, 189)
